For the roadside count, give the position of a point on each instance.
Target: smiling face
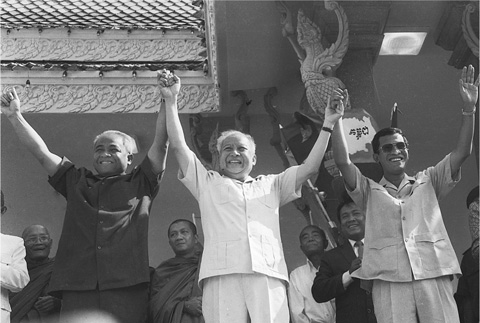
(394, 162)
(182, 239)
(312, 241)
(352, 222)
(111, 156)
(237, 156)
(37, 243)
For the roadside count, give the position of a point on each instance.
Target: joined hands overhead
(169, 84)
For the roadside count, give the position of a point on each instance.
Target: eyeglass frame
(392, 145)
(33, 240)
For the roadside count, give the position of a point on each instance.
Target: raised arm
(10, 105)
(469, 92)
(339, 146)
(312, 163)
(170, 87)
(158, 151)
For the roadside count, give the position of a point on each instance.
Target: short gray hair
(128, 141)
(225, 134)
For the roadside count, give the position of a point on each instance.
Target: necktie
(364, 284)
(359, 245)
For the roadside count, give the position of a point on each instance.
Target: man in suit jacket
(333, 280)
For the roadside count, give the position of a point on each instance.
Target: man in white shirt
(14, 273)
(303, 308)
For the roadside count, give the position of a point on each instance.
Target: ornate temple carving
(73, 49)
(318, 64)
(467, 27)
(118, 98)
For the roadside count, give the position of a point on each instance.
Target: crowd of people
(396, 263)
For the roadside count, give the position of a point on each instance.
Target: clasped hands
(169, 83)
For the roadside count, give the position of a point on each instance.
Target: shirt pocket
(225, 254)
(432, 250)
(383, 254)
(270, 252)
(265, 196)
(222, 193)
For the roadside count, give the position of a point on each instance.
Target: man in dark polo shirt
(102, 258)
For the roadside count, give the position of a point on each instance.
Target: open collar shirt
(104, 241)
(240, 220)
(303, 308)
(405, 237)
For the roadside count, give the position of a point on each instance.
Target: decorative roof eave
(109, 71)
(106, 92)
(88, 46)
(78, 66)
(94, 14)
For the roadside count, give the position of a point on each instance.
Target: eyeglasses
(33, 240)
(388, 148)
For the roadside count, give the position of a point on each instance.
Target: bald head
(35, 228)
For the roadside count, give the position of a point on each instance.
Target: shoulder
(333, 253)
(298, 272)
(11, 243)
(11, 240)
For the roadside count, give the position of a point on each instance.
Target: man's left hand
(193, 306)
(468, 88)
(46, 304)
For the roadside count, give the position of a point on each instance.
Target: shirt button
(404, 218)
(99, 247)
(369, 311)
(406, 240)
(101, 222)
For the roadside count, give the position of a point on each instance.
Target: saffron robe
(22, 302)
(174, 282)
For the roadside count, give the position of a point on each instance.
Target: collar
(247, 180)
(406, 180)
(311, 266)
(352, 242)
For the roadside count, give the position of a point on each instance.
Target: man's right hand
(193, 306)
(10, 103)
(357, 263)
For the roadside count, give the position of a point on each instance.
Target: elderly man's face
(37, 243)
(311, 241)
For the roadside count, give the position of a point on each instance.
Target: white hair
(228, 133)
(128, 141)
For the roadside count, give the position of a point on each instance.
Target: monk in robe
(175, 296)
(32, 303)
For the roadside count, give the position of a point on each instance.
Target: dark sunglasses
(388, 148)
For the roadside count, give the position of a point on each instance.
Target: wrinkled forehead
(178, 226)
(35, 231)
(350, 207)
(310, 229)
(237, 139)
(110, 139)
